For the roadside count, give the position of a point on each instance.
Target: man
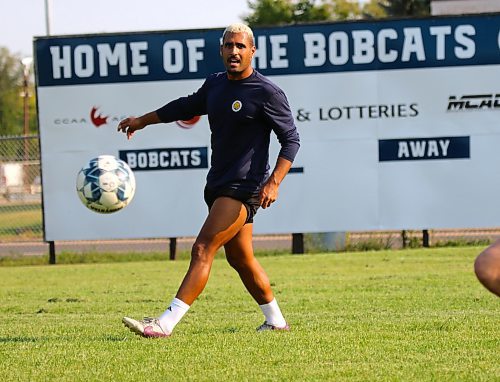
(243, 108)
(487, 268)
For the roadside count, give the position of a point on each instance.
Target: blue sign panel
(298, 49)
(424, 148)
(166, 158)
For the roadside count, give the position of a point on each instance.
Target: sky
(24, 19)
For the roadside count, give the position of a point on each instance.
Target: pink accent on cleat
(154, 332)
(148, 327)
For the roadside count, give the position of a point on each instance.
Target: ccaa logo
(188, 124)
(96, 118)
(236, 106)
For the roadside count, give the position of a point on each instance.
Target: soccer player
(487, 268)
(243, 108)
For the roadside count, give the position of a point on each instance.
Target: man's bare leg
(239, 254)
(226, 218)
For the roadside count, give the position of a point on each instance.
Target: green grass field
(414, 315)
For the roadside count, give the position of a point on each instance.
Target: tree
(269, 12)
(282, 12)
(402, 8)
(345, 10)
(373, 10)
(11, 91)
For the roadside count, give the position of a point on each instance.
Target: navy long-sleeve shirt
(241, 115)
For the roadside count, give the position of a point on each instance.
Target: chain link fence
(20, 189)
(21, 227)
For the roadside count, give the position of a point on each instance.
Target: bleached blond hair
(239, 28)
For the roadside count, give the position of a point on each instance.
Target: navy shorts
(249, 199)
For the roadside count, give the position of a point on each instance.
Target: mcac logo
(474, 102)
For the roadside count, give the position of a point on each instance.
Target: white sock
(173, 315)
(273, 314)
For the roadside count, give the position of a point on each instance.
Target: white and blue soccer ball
(106, 184)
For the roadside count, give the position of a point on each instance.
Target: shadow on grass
(110, 338)
(21, 339)
(17, 339)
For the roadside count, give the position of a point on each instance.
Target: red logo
(96, 118)
(188, 124)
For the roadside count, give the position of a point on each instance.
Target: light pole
(47, 17)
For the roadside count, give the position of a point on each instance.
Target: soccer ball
(106, 184)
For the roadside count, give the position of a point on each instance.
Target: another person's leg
(487, 268)
(239, 254)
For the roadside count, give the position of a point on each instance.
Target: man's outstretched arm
(131, 124)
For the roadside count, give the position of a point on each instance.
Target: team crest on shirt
(236, 106)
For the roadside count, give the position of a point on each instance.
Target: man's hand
(130, 125)
(268, 193)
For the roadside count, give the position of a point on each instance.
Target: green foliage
(10, 86)
(373, 244)
(345, 10)
(11, 96)
(414, 315)
(373, 10)
(281, 12)
(462, 242)
(405, 8)
(269, 12)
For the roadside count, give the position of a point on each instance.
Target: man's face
(237, 51)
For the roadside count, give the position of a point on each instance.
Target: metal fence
(20, 189)
(21, 227)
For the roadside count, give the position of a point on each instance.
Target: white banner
(398, 123)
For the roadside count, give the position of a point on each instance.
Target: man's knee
(201, 253)
(245, 265)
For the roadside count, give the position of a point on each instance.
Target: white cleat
(149, 327)
(265, 326)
